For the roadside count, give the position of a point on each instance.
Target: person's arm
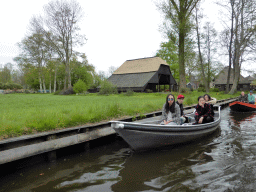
(176, 116)
(197, 114)
(213, 101)
(164, 114)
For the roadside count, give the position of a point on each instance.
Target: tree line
(192, 46)
(49, 60)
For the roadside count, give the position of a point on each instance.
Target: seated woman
(211, 101)
(183, 117)
(170, 112)
(203, 112)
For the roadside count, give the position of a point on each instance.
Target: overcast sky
(117, 30)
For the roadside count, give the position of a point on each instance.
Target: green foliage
(107, 88)
(12, 86)
(79, 86)
(148, 91)
(129, 92)
(201, 89)
(169, 53)
(57, 92)
(214, 90)
(184, 90)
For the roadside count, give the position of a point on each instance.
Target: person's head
(207, 97)
(251, 92)
(170, 103)
(180, 99)
(201, 100)
(242, 93)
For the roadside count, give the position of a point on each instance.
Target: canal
(223, 161)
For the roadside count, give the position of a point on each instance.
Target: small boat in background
(144, 136)
(242, 107)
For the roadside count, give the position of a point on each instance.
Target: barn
(140, 75)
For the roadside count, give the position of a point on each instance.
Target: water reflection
(163, 169)
(224, 161)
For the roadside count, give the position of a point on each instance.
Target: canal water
(223, 161)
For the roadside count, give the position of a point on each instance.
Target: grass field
(31, 113)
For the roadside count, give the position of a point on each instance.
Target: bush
(107, 88)
(68, 91)
(184, 90)
(79, 86)
(201, 89)
(148, 91)
(56, 92)
(129, 92)
(214, 90)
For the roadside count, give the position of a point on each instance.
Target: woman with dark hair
(211, 101)
(203, 112)
(170, 111)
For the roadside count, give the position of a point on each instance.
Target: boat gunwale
(166, 128)
(243, 104)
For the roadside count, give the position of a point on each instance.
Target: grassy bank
(31, 113)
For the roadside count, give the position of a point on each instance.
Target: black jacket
(181, 108)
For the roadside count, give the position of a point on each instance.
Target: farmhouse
(221, 81)
(143, 74)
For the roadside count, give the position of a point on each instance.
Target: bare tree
(60, 25)
(199, 52)
(242, 31)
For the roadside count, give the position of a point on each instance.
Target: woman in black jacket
(203, 112)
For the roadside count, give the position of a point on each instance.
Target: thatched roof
(143, 65)
(222, 77)
(250, 78)
(131, 80)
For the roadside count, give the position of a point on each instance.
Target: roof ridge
(141, 58)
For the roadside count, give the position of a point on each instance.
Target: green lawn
(31, 113)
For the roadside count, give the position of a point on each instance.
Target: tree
(169, 53)
(200, 54)
(179, 13)
(36, 52)
(5, 73)
(79, 86)
(241, 34)
(60, 25)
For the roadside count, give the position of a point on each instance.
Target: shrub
(68, 91)
(56, 92)
(184, 90)
(201, 89)
(214, 90)
(129, 92)
(149, 91)
(79, 86)
(107, 88)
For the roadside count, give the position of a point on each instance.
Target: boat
(238, 106)
(150, 135)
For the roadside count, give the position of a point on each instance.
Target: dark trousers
(208, 119)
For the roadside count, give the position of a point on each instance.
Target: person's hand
(166, 122)
(201, 120)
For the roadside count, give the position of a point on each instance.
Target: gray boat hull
(148, 136)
